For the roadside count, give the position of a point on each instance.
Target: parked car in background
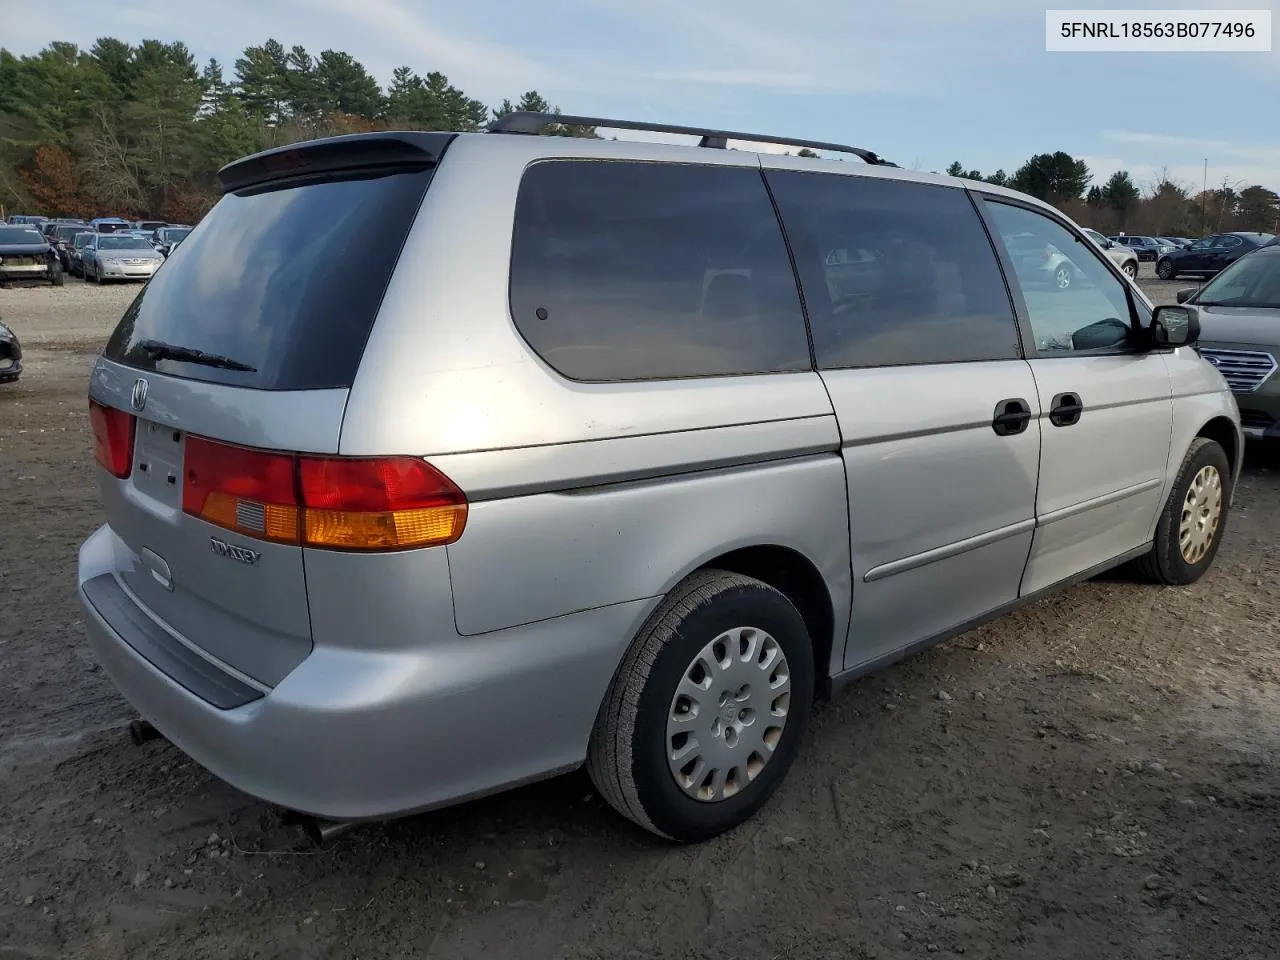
(149, 226)
(1176, 242)
(75, 252)
(1040, 262)
(109, 224)
(166, 238)
(25, 254)
(1148, 249)
(27, 218)
(108, 258)
(1120, 255)
(1206, 257)
(1239, 315)
(10, 355)
(668, 486)
(50, 227)
(62, 240)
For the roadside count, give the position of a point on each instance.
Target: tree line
(142, 129)
(1165, 208)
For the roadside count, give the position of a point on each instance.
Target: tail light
(112, 438)
(341, 503)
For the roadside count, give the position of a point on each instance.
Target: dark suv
(1148, 249)
(1204, 258)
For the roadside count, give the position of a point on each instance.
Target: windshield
(123, 243)
(1252, 281)
(20, 235)
(172, 236)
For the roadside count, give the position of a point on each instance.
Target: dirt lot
(1093, 777)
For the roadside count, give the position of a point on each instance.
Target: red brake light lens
(379, 504)
(388, 503)
(112, 438)
(249, 491)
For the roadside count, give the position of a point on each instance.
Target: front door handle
(1011, 417)
(1065, 409)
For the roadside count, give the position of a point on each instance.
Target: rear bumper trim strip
(155, 645)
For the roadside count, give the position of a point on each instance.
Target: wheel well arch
(1223, 432)
(794, 575)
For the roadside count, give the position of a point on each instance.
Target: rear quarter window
(627, 270)
(285, 279)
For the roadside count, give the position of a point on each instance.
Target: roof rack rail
(528, 122)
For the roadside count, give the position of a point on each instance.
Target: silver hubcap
(1064, 278)
(727, 715)
(1201, 511)
(1130, 269)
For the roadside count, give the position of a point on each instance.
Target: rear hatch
(226, 381)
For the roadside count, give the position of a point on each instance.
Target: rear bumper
(368, 734)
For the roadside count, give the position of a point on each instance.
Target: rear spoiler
(332, 155)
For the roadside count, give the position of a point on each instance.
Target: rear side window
(653, 271)
(286, 281)
(894, 272)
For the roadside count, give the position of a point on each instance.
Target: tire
(97, 277)
(1165, 271)
(1063, 276)
(57, 277)
(628, 754)
(1130, 269)
(1167, 562)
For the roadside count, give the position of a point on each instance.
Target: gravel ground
(1094, 776)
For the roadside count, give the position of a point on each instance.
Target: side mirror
(1187, 293)
(1174, 326)
(1108, 244)
(1101, 335)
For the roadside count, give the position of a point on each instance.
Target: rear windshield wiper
(167, 351)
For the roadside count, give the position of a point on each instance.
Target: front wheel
(1165, 271)
(707, 710)
(1194, 518)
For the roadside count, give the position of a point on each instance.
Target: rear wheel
(707, 711)
(1130, 269)
(1063, 275)
(1194, 517)
(1165, 271)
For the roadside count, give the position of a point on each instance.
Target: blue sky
(923, 82)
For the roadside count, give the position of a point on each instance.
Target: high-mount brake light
(339, 503)
(112, 438)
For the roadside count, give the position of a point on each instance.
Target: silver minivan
(435, 464)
